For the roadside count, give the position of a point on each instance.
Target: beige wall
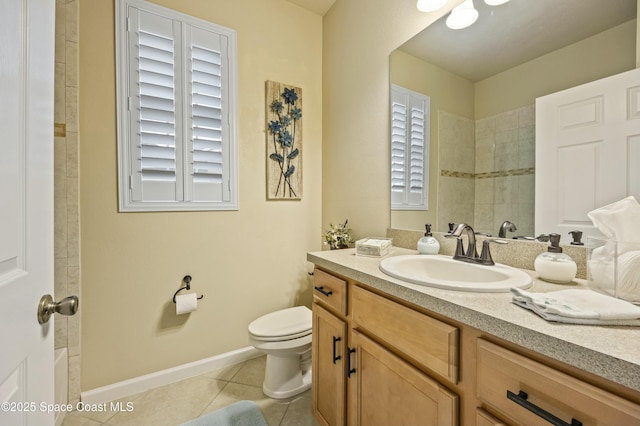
(579, 63)
(358, 37)
(246, 262)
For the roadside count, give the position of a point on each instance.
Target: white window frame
(214, 187)
(410, 139)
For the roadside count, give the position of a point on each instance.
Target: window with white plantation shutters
(409, 149)
(176, 111)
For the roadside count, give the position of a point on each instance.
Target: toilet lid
(283, 323)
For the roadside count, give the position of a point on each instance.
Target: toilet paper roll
(186, 303)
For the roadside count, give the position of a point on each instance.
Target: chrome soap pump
(555, 266)
(428, 244)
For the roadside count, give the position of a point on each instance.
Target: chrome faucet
(506, 226)
(471, 254)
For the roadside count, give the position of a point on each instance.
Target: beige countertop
(612, 352)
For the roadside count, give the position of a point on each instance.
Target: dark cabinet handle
(335, 356)
(350, 370)
(521, 400)
(323, 291)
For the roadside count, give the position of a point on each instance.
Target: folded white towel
(578, 306)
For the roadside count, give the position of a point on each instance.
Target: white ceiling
(518, 31)
(319, 7)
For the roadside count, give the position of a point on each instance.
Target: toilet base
(285, 377)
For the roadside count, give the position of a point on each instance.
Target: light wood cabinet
(485, 419)
(331, 291)
(427, 341)
(380, 360)
(526, 392)
(328, 367)
(386, 390)
(383, 386)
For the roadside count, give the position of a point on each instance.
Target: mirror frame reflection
(482, 133)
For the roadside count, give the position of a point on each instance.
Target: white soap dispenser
(428, 244)
(555, 266)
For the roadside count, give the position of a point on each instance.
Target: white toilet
(285, 336)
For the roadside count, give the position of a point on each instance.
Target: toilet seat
(286, 324)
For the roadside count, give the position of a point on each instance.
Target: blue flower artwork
(284, 142)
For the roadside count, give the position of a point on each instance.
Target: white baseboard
(164, 377)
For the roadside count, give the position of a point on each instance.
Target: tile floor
(178, 402)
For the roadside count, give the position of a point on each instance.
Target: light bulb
(430, 5)
(462, 16)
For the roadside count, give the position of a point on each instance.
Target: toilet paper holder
(187, 286)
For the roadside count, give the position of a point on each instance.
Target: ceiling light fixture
(462, 16)
(431, 5)
(495, 2)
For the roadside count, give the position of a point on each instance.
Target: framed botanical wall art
(284, 141)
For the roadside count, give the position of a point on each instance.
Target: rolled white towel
(601, 268)
(619, 221)
(628, 269)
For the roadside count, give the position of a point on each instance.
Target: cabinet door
(386, 390)
(328, 381)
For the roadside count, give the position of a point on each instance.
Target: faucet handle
(483, 234)
(459, 253)
(485, 256)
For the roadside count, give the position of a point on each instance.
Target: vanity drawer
(533, 386)
(330, 291)
(426, 340)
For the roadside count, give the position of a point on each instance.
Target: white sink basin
(444, 272)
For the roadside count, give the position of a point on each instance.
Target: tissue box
(613, 268)
(376, 247)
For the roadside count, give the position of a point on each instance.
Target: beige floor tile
(171, 404)
(103, 416)
(225, 373)
(299, 412)
(76, 420)
(251, 372)
(182, 401)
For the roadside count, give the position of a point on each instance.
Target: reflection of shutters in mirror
(409, 149)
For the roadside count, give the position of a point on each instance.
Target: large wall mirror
(482, 82)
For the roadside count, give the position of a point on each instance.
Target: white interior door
(587, 152)
(26, 209)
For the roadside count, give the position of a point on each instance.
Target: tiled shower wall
(487, 171)
(457, 151)
(505, 162)
(66, 186)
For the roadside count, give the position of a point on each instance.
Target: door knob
(67, 306)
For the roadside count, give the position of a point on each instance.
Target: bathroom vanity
(390, 352)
